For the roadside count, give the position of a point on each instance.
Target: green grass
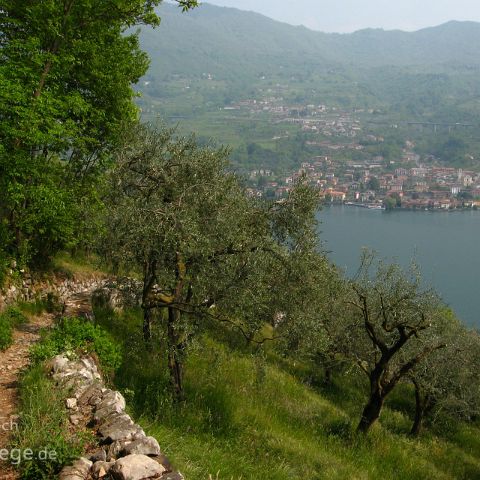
(249, 417)
(43, 429)
(44, 426)
(75, 265)
(81, 337)
(11, 318)
(6, 334)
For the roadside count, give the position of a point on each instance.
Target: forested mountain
(215, 57)
(232, 43)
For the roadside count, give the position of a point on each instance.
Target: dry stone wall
(125, 452)
(112, 293)
(26, 288)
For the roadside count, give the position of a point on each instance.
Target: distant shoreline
(381, 208)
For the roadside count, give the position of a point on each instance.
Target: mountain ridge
(225, 38)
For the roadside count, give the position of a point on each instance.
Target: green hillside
(240, 47)
(213, 57)
(250, 416)
(229, 42)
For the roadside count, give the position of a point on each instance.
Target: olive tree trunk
(371, 412)
(176, 352)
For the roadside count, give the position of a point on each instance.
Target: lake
(446, 245)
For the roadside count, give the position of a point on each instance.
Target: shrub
(77, 335)
(52, 303)
(3, 269)
(9, 319)
(15, 316)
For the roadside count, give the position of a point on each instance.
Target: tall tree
(206, 250)
(66, 71)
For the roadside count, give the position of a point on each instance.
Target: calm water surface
(444, 244)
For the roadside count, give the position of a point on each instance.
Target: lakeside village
(408, 183)
(366, 185)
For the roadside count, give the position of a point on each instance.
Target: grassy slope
(250, 417)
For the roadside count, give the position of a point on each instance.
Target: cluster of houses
(367, 183)
(315, 119)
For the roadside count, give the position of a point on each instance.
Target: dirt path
(15, 359)
(12, 362)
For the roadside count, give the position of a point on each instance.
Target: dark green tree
(447, 383)
(66, 74)
(373, 184)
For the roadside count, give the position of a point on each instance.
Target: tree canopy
(66, 74)
(205, 248)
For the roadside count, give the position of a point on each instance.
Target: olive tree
(204, 248)
(447, 383)
(326, 337)
(391, 315)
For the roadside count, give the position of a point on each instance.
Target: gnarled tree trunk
(147, 324)
(371, 412)
(149, 275)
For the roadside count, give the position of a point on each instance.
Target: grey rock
(120, 432)
(143, 446)
(72, 382)
(100, 469)
(80, 391)
(87, 374)
(95, 399)
(112, 398)
(59, 363)
(107, 411)
(71, 403)
(111, 402)
(88, 394)
(114, 418)
(172, 476)
(136, 467)
(76, 418)
(115, 448)
(73, 374)
(78, 471)
(99, 456)
(89, 363)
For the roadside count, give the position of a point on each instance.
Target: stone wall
(125, 451)
(114, 293)
(27, 288)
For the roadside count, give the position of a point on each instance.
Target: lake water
(446, 245)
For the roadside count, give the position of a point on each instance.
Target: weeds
(43, 428)
(80, 336)
(11, 318)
